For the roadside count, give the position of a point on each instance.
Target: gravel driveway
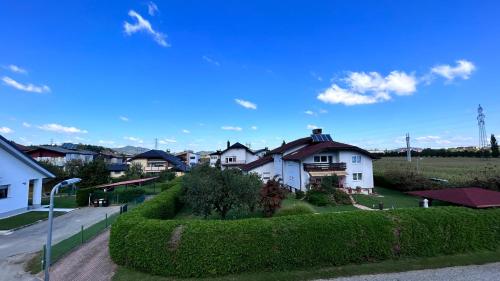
(485, 272)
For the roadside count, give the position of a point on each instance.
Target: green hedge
(82, 196)
(147, 239)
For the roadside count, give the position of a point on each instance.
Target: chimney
(317, 131)
(228, 144)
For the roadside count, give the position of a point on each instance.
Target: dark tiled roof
(115, 167)
(328, 145)
(160, 154)
(64, 150)
(218, 152)
(260, 150)
(257, 163)
(469, 196)
(291, 145)
(237, 146)
(28, 160)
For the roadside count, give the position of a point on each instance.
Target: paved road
(89, 262)
(485, 272)
(14, 247)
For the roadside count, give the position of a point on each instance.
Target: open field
(400, 265)
(457, 170)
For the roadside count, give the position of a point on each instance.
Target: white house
(214, 157)
(157, 161)
(60, 155)
(189, 157)
(20, 176)
(305, 161)
(236, 156)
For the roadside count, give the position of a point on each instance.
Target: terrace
(322, 167)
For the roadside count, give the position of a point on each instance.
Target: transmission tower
(483, 142)
(408, 148)
(156, 143)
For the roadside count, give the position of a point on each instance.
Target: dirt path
(89, 262)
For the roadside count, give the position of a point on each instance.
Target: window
(192, 157)
(357, 176)
(356, 159)
(231, 159)
(321, 158)
(4, 191)
(266, 176)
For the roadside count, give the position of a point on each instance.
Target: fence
(67, 245)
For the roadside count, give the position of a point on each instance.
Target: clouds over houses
(6, 130)
(57, 128)
(143, 25)
(231, 128)
(358, 88)
(133, 139)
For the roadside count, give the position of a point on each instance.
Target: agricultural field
(457, 170)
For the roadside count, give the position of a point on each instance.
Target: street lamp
(55, 189)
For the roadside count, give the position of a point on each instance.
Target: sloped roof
(23, 157)
(160, 154)
(322, 146)
(257, 163)
(64, 150)
(116, 167)
(474, 197)
(237, 145)
(291, 145)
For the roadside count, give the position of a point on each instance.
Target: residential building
(20, 176)
(60, 155)
(236, 156)
(214, 158)
(117, 170)
(304, 162)
(156, 161)
(189, 158)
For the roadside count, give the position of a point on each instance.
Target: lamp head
(70, 181)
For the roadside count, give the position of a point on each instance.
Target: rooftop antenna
(482, 131)
(51, 142)
(408, 148)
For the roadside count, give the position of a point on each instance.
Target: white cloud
(335, 95)
(25, 87)
(312, 127)
(309, 112)
(109, 142)
(53, 127)
(211, 60)
(427, 138)
(246, 104)
(152, 8)
(463, 69)
(323, 111)
(6, 130)
(316, 76)
(134, 139)
(254, 127)
(144, 25)
(167, 141)
(185, 131)
(124, 118)
(26, 124)
(16, 69)
(231, 128)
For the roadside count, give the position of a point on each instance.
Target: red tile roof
(470, 196)
(257, 163)
(290, 145)
(328, 145)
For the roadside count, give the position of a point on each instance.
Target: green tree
(329, 184)
(73, 167)
(494, 146)
(94, 173)
(134, 171)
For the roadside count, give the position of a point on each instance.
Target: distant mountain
(204, 153)
(131, 150)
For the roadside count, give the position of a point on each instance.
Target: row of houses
(303, 162)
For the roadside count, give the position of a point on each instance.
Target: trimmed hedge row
(146, 239)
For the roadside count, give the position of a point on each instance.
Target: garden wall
(148, 239)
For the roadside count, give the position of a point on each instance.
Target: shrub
(299, 194)
(82, 196)
(341, 197)
(329, 184)
(297, 209)
(271, 195)
(127, 195)
(317, 198)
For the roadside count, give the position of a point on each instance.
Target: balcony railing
(238, 162)
(154, 169)
(316, 167)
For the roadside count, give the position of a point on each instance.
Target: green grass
(125, 274)
(25, 219)
(390, 198)
(290, 201)
(457, 170)
(64, 201)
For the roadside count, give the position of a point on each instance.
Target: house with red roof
(305, 161)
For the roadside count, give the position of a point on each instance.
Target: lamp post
(54, 190)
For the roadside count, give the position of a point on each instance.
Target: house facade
(304, 162)
(189, 158)
(236, 156)
(20, 176)
(214, 157)
(157, 161)
(60, 155)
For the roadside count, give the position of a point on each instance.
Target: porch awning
(327, 173)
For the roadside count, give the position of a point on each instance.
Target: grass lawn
(65, 201)
(390, 198)
(290, 201)
(25, 219)
(125, 274)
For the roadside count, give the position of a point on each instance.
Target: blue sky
(196, 73)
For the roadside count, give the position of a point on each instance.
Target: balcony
(238, 162)
(324, 167)
(154, 169)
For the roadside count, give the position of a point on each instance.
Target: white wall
(242, 156)
(17, 174)
(364, 167)
(266, 168)
(291, 175)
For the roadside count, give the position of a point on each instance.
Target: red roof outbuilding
(474, 197)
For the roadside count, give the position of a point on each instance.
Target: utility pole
(408, 148)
